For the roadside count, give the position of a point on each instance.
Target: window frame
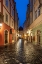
(38, 11)
(35, 14)
(6, 18)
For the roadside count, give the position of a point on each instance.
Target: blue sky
(21, 6)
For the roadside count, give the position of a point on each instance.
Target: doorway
(6, 37)
(38, 36)
(38, 39)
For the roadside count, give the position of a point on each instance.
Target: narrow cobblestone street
(21, 53)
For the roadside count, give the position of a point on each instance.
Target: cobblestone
(21, 53)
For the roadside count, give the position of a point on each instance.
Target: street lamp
(28, 32)
(0, 25)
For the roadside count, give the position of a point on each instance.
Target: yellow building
(35, 23)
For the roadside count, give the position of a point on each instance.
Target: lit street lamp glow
(0, 25)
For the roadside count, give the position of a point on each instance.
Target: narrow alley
(20, 31)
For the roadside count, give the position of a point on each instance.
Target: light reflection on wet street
(21, 53)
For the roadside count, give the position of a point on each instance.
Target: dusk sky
(21, 6)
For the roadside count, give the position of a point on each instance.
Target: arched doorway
(6, 37)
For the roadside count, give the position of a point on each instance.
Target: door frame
(4, 37)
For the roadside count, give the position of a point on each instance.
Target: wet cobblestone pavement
(21, 53)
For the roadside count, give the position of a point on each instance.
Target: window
(10, 31)
(38, 11)
(12, 23)
(35, 14)
(1, 17)
(6, 3)
(34, 1)
(6, 18)
(12, 12)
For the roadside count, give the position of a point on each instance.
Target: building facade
(16, 24)
(35, 23)
(7, 22)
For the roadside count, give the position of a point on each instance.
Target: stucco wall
(3, 28)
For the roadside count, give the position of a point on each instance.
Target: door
(6, 37)
(38, 36)
(38, 39)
